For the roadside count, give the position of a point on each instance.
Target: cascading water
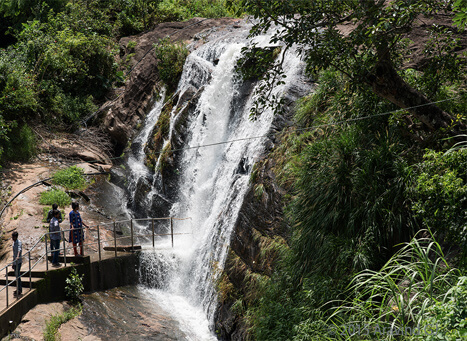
(211, 180)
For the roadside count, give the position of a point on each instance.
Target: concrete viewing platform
(100, 272)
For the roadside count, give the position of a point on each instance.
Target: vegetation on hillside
(357, 192)
(376, 195)
(58, 58)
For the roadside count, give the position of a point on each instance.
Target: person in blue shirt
(76, 229)
(17, 262)
(55, 237)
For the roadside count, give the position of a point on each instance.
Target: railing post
(115, 238)
(172, 231)
(30, 279)
(82, 239)
(6, 289)
(99, 242)
(46, 254)
(64, 248)
(153, 232)
(132, 242)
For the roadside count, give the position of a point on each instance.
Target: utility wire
(314, 127)
(350, 120)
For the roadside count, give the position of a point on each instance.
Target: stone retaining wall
(106, 274)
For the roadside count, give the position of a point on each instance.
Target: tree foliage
(362, 39)
(58, 57)
(440, 194)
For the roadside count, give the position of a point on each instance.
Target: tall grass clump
(401, 295)
(52, 326)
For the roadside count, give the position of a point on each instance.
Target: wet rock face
(259, 223)
(122, 116)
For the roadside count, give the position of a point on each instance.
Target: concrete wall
(107, 274)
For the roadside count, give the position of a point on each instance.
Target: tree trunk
(387, 84)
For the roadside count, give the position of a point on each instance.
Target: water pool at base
(134, 313)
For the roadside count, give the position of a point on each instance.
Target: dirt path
(25, 214)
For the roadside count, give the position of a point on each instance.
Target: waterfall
(209, 180)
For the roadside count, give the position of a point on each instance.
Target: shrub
(171, 58)
(74, 285)
(55, 196)
(449, 316)
(21, 144)
(70, 178)
(18, 91)
(440, 193)
(175, 10)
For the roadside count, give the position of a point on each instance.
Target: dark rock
(160, 206)
(118, 177)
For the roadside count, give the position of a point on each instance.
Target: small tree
(171, 58)
(74, 286)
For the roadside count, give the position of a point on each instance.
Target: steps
(39, 272)
(24, 281)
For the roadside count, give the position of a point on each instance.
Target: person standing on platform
(17, 262)
(55, 237)
(76, 229)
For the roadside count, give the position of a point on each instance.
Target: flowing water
(220, 146)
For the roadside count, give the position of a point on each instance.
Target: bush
(18, 90)
(176, 10)
(440, 193)
(449, 316)
(21, 144)
(74, 286)
(70, 178)
(55, 196)
(171, 58)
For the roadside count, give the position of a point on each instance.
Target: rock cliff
(120, 116)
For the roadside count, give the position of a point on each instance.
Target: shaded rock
(160, 206)
(118, 177)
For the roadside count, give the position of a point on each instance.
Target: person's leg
(81, 239)
(75, 237)
(75, 249)
(54, 246)
(19, 287)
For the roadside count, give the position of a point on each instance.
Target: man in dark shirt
(17, 262)
(50, 214)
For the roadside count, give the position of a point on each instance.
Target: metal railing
(100, 244)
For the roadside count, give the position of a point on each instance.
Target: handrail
(44, 238)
